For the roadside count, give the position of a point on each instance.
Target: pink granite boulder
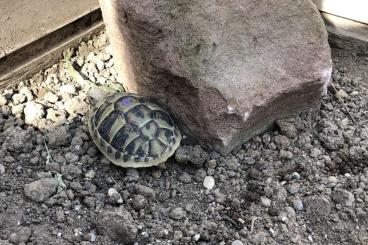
(226, 69)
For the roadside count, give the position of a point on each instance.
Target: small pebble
(60, 217)
(115, 196)
(33, 112)
(295, 175)
(18, 99)
(332, 179)
(139, 202)
(145, 191)
(266, 202)
(286, 155)
(298, 204)
(209, 182)
(90, 174)
(51, 97)
(2, 169)
(293, 188)
(67, 89)
(177, 213)
(21, 236)
(178, 235)
(343, 197)
(237, 242)
(3, 100)
(196, 237)
(41, 190)
(211, 163)
(90, 202)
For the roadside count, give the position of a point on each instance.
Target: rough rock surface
(226, 71)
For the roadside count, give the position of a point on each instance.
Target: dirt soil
(305, 182)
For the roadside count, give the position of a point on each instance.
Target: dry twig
(342, 102)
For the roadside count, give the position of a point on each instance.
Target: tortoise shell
(132, 131)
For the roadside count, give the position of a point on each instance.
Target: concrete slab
(24, 21)
(355, 10)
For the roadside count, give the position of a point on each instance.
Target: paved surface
(23, 21)
(351, 9)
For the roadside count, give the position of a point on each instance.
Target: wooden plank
(356, 10)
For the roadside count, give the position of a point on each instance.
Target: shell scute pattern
(132, 131)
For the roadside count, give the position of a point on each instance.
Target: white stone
(67, 89)
(237, 242)
(209, 182)
(33, 112)
(266, 202)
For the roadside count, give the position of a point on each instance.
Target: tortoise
(133, 131)
(130, 130)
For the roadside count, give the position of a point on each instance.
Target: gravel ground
(305, 182)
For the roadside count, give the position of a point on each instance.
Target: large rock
(226, 69)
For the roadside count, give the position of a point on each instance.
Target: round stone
(209, 182)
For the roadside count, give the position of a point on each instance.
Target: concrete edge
(46, 51)
(346, 34)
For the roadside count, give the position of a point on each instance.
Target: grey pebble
(317, 205)
(117, 224)
(139, 202)
(293, 188)
(2, 169)
(343, 197)
(295, 175)
(265, 202)
(231, 173)
(21, 236)
(298, 204)
(71, 171)
(281, 194)
(287, 127)
(144, 191)
(177, 213)
(211, 163)
(232, 164)
(114, 196)
(199, 175)
(41, 190)
(60, 216)
(90, 201)
(71, 157)
(286, 155)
